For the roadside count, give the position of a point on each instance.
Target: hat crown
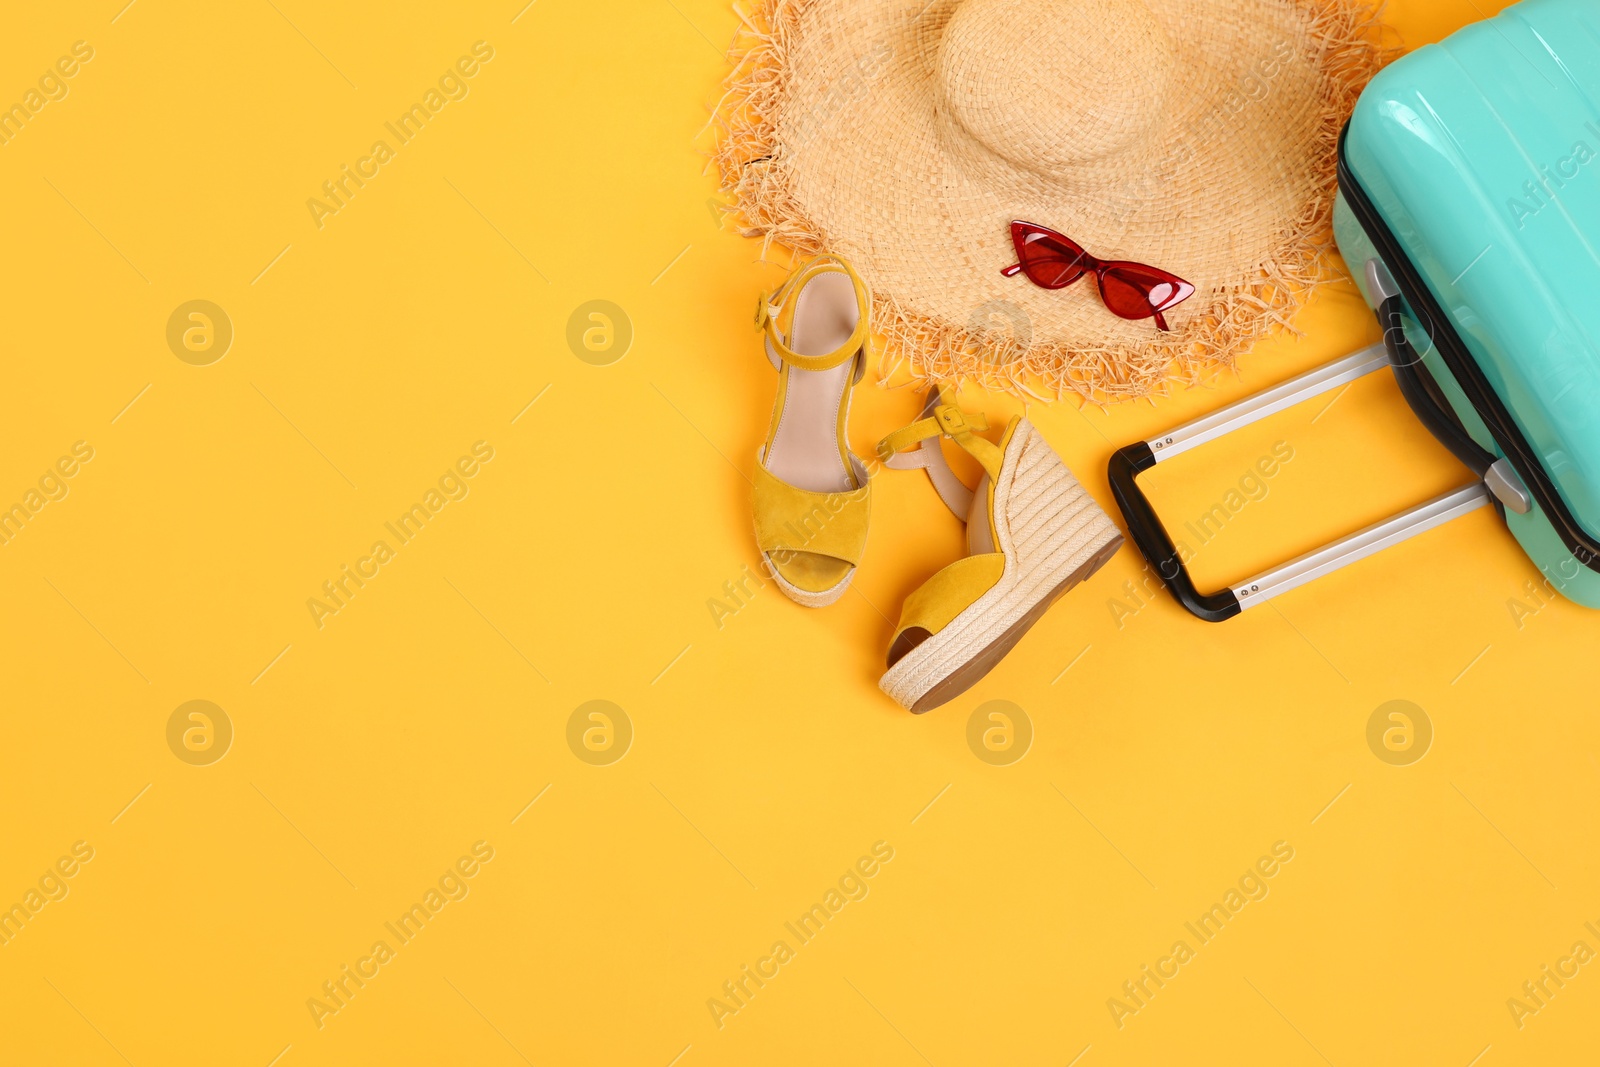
(1054, 84)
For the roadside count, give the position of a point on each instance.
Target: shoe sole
(973, 671)
(805, 598)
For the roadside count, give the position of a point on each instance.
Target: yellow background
(425, 716)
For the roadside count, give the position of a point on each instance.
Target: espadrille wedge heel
(1032, 534)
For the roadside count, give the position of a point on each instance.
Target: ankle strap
(906, 449)
(775, 315)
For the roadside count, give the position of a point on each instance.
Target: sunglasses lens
(1133, 293)
(1051, 260)
(1050, 265)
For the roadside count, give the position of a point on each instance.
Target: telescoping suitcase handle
(1497, 481)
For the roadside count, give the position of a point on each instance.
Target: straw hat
(1197, 136)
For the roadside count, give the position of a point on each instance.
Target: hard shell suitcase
(1469, 215)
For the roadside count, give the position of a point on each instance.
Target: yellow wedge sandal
(812, 499)
(1032, 534)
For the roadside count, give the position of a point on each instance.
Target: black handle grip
(1406, 363)
(1157, 548)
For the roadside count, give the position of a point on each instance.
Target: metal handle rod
(1269, 401)
(1360, 545)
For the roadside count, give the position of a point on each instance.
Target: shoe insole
(980, 537)
(805, 450)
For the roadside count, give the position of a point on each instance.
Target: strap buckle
(766, 309)
(955, 422)
(947, 420)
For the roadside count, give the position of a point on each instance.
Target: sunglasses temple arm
(1161, 322)
(1012, 271)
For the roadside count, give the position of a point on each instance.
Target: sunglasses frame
(1135, 275)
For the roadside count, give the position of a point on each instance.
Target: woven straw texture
(1048, 527)
(1198, 136)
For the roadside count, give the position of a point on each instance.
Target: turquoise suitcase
(1469, 215)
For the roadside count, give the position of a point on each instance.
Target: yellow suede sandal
(1032, 534)
(812, 498)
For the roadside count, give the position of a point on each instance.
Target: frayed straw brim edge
(749, 158)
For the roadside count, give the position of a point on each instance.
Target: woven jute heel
(1052, 534)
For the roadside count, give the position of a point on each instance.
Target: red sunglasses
(1131, 290)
